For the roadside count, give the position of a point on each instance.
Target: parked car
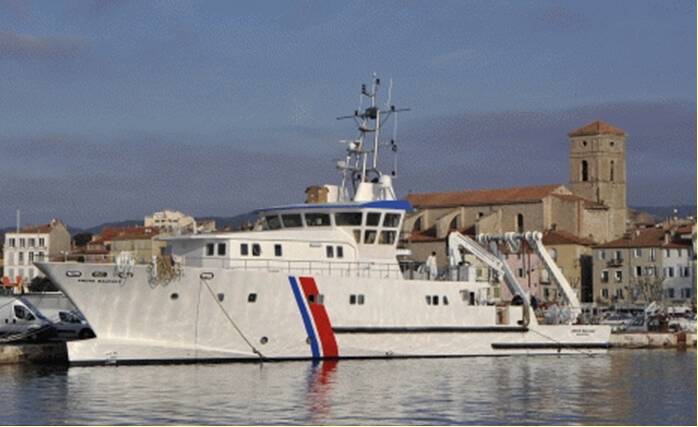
(21, 321)
(70, 324)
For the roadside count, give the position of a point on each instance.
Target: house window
(22, 243)
(11, 242)
(612, 171)
(685, 293)
(604, 292)
(278, 251)
(670, 292)
(649, 271)
(670, 271)
(679, 252)
(619, 256)
(604, 276)
(352, 299)
(32, 242)
(340, 251)
(638, 271)
(667, 253)
(619, 293)
(653, 254)
(519, 223)
(585, 170)
(686, 271)
(31, 256)
(221, 249)
(329, 251)
(256, 249)
(42, 242)
(244, 249)
(520, 272)
(602, 254)
(618, 276)
(210, 249)
(20, 257)
(435, 300)
(637, 252)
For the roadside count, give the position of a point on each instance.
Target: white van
(21, 321)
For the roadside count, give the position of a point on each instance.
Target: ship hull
(209, 314)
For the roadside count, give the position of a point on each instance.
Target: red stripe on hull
(321, 319)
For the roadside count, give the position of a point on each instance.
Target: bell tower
(597, 170)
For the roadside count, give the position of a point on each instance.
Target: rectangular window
(340, 251)
(653, 254)
(670, 292)
(618, 276)
(602, 255)
(649, 271)
(352, 299)
(221, 249)
(22, 243)
(244, 249)
(687, 272)
(20, 257)
(604, 292)
(387, 237)
(329, 251)
(32, 242)
(435, 300)
(667, 253)
(604, 276)
(679, 252)
(317, 219)
(619, 293)
(42, 242)
(11, 242)
(638, 252)
(370, 236)
(272, 222)
(685, 293)
(670, 271)
(292, 220)
(638, 271)
(347, 218)
(373, 219)
(619, 255)
(520, 272)
(278, 251)
(41, 256)
(256, 249)
(31, 256)
(210, 249)
(391, 220)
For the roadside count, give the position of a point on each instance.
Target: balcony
(615, 262)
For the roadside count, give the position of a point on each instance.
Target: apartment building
(33, 243)
(645, 265)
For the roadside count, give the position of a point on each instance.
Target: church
(592, 206)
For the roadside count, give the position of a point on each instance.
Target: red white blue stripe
(315, 319)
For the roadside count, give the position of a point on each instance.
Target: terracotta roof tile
(485, 197)
(560, 237)
(644, 238)
(597, 128)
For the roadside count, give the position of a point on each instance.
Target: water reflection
(633, 387)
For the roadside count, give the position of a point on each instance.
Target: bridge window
(387, 237)
(357, 235)
(256, 249)
(585, 170)
(370, 236)
(347, 218)
(391, 220)
(317, 219)
(373, 218)
(210, 249)
(292, 220)
(244, 249)
(221, 249)
(273, 222)
(278, 250)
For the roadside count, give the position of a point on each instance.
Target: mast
(362, 178)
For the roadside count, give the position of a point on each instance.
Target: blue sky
(113, 109)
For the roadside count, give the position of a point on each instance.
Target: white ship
(310, 281)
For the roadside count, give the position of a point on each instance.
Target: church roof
(498, 196)
(561, 237)
(597, 128)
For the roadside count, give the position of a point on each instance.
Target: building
(139, 242)
(650, 264)
(175, 222)
(33, 243)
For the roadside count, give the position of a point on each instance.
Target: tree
(82, 239)
(647, 289)
(42, 284)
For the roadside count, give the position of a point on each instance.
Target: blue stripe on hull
(315, 349)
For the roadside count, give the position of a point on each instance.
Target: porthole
(73, 273)
(125, 275)
(206, 275)
(264, 340)
(99, 274)
(174, 296)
